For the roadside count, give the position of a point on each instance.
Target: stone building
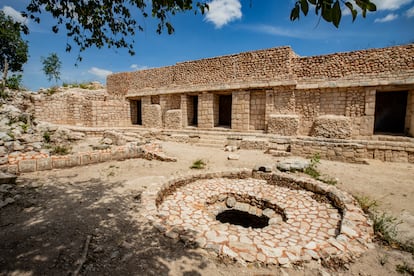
(337, 104)
(345, 95)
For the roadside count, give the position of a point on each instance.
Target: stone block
(173, 119)
(44, 164)
(332, 126)
(152, 116)
(27, 165)
(73, 160)
(285, 125)
(59, 162)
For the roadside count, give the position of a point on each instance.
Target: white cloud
(390, 4)
(138, 67)
(17, 16)
(221, 12)
(101, 73)
(388, 18)
(410, 12)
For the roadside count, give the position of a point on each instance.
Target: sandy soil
(44, 231)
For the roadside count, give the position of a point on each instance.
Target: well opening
(244, 219)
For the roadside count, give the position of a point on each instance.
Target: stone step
(209, 145)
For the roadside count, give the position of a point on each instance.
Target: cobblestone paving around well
(312, 227)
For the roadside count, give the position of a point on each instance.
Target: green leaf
(313, 2)
(294, 14)
(304, 6)
(371, 7)
(336, 14)
(353, 11)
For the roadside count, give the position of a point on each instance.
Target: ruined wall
(83, 108)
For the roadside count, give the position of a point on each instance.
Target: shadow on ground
(44, 232)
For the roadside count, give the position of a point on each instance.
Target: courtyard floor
(45, 231)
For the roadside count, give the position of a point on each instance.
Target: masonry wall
(83, 108)
(365, 67)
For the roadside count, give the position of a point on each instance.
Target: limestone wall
(83, 108)
(277, 65)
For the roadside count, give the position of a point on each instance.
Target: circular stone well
(272, 218)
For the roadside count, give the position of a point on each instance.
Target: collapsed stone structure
(348, 96)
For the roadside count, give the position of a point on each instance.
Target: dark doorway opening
(390, 112)
(194, 119)
(243, 219)
(139, 112)
(225, 102)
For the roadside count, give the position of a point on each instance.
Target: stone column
(409, 121)
(205, 110)
(367, 121)
(183, 107)
(269, 106)
(240, 110)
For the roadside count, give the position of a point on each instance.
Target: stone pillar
(151, 113)
(367, 121)
(270, 106)
(205, 110)
(409, 121)
(183, 107)
(240, 110)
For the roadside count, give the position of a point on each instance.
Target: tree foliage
(51, 66)
(113, 23)
(331, 10)
(13, 49)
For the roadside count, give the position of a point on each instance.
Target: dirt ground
(45, 231)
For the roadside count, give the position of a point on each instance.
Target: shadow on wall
(44, 232)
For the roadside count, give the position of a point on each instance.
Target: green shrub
(60, 150)
(198, 164)
(367, 205)
(385, 227)
(312, 169)
(46, 136)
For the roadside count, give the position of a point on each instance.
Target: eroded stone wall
(83, 108)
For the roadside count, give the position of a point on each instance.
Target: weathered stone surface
(7, 178)
(332, 126)
(295, 164)
(173, 119)
(285, 125)
(233, 157)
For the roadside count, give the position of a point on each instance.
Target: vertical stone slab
(184, 111)
(409, 122)
(151, 116)
(173, 119)
(240, 110)
(205, 110)
(367, 121)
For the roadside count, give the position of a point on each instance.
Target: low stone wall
(353, 151)
(41, 162)
(285, 125)
(332, 126)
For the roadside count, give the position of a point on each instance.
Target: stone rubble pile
(22, 134)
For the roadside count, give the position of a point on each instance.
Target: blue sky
(231, 26)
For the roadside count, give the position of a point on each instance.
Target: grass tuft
(198, 164)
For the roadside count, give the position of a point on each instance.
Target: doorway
(192, 110)
(390, 112)
(225, 102)
(139, 112)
